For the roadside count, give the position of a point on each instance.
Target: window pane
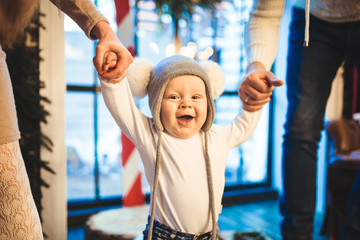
(80, 145)
(79, 51)
(108, 8)
(224, 32)
(248, 162)
(109, 150)
(255, 151)
(230, 25)
(154, 34)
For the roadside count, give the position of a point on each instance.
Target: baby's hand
(110, 61)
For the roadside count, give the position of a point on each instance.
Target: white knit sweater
(263, 28)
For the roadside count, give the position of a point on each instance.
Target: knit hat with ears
(144, 78)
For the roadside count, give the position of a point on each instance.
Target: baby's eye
(195, 97)
(174, 97)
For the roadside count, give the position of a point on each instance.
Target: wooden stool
(343, 164)
(117, 224)
(340, 179)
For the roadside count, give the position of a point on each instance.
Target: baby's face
(184, 106)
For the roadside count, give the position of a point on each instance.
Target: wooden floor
(259, 216)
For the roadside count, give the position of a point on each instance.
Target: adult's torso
(336, 11)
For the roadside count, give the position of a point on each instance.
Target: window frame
(79, 211)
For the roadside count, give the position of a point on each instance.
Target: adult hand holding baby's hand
(108, 42)
(257, 87)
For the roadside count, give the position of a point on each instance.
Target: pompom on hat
(144, 78)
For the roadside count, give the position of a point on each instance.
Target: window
(221, 34)
(93, 138)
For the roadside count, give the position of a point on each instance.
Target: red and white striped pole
(132, 190)
(124, 23)
(130, 157)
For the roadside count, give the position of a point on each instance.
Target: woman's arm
(96, 26)
(83, 12)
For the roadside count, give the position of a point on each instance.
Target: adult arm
(83, 12)
(262, 33)
(96, 26)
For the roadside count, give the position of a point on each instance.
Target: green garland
(23, 63)
(178, 7)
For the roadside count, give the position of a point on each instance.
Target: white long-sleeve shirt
(183, 194)
(263, 27)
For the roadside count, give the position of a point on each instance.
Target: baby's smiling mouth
(185, 119)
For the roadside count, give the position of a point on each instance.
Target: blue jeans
(162, 232)
(310, 72)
